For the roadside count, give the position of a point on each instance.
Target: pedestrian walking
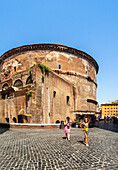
(85, 129)
(67, 128)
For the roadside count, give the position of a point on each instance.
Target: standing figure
(107, 118)
(67, 128)
(104, 119)
(85, 129)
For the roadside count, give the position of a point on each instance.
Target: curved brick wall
(72, 65)
(51, 55)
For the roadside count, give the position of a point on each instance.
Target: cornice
(50, 47)
(72, 73)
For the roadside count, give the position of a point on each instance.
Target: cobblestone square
(47, 149)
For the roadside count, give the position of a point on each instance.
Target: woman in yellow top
(85, 129)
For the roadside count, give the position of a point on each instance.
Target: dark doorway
(14, 119)
(20, 118)
(7, 119)
(57, 121)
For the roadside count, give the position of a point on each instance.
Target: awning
(85, 112)
(28, 114)
(25, 114)
(91, 100)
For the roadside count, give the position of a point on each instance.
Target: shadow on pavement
(107, 126)
(81, 142)
(63, 137)
(4, 127)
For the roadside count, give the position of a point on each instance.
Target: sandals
(85, 143)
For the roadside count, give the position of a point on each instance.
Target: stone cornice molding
(75, 74)
(50, 47)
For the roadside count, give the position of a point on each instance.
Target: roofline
(51, 47)
(84, 111)
(109, 104)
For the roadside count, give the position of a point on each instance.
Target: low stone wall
(32, 126)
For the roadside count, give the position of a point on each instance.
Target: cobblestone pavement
(47, 149)
(107, 125)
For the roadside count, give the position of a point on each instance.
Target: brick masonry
(66, 70)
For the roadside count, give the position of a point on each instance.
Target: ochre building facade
(44, 83)
(110, 109)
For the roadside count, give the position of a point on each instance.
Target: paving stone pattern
(47, 149)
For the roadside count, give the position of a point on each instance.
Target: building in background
(110, 109)
(44, 83)
(99, 111)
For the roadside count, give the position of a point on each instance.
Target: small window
(14, 68)
(54, 94)
(67, 99)
(59, 66)
(6, 75)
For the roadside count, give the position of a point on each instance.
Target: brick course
(78, 71)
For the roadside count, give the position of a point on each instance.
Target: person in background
(104, 119)
(107, 118)
(67, 128)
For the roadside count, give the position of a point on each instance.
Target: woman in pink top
(67, 128)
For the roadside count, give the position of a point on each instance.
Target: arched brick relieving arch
(29, 80)
(5, 85)
(18, 83)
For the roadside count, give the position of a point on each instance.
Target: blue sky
(88, 25)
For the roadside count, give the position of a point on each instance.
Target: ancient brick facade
(27, 94)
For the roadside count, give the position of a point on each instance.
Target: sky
(88, 25)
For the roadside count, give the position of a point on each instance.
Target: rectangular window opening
(54, 94)
(67, 99)
(14, 68)
(59, 66)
